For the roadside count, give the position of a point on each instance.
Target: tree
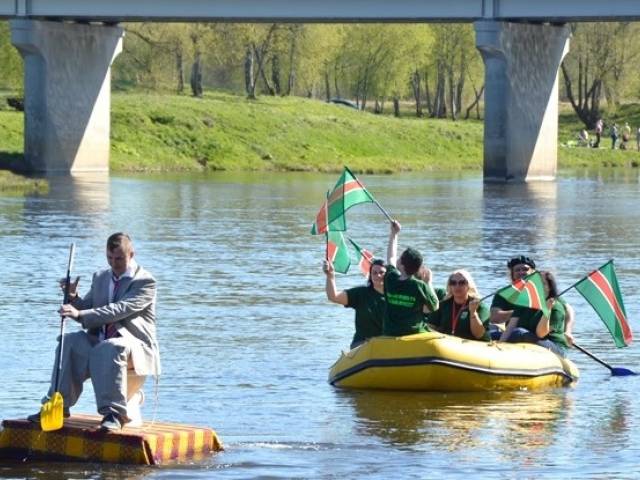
(596, 66)
(11, 69)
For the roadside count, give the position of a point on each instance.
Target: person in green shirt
(460, 312)
(367, 301)
(407, 296)
(501, 310)
(532, 326)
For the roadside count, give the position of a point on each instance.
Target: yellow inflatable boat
(438, 362)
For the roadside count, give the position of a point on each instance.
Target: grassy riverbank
(153, 132)
(11, 183)
(226, 132)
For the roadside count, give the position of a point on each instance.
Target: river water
(247, 335)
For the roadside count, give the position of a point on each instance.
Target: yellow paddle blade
(52, 413)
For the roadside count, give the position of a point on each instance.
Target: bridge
(68, 47)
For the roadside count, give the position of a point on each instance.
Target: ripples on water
(247, 335)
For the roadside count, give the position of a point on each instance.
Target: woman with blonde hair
(460, 312)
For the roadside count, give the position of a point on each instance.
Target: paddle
(52, 412)
(615, 371)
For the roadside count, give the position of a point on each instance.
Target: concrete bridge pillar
(67, 89)
(521, 98)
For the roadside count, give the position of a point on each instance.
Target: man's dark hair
(411, 260)
(120, 239)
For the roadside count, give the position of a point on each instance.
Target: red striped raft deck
(81, 440)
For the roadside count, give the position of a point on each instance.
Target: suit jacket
(133, 311)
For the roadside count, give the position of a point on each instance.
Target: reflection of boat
(458, 420)
(437, 362)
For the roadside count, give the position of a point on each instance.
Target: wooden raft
(81, 440)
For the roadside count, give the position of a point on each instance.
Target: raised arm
(392, 248)
(330, 286)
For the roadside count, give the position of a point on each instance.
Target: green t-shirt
(443, 320)
(369, 306)
(405, 299)
(529, 319)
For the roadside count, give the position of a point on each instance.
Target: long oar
(615, 371)
(52, 412)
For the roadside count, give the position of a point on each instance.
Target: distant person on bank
(599, 129)
(118, 317)
(367, 301)
(613, 133)
(408, 297)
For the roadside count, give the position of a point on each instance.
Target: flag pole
(386, 214)
(326, 234)
(586, 276)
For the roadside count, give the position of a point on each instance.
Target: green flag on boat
(347, 192)
(526, 292)
(600, 288)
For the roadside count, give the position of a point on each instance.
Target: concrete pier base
(521, 98)
(67, 93)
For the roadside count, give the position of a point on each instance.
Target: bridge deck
(323, 10)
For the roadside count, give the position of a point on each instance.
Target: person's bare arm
(392, 248)
(330, 287)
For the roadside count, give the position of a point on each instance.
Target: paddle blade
(52, 413)
(622, 372)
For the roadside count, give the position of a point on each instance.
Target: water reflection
(519, 216)
(451, 421)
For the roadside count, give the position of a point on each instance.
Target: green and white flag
(337, 252)
(526, 292)
(347, 192)
(600, 288)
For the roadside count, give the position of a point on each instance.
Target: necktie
(111, 330)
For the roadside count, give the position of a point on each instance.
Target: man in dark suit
(118, 317)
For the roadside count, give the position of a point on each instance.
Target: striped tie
(111, 330)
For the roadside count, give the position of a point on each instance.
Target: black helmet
(521, 260)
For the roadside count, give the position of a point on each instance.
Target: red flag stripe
(321, 219)
(365, 261)
(347, 187)
(519, 284)
(602, 283)
(332, 250)
(534, 300)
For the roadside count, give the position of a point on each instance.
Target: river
(247, 335)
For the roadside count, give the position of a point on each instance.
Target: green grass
(226, 132)
(163, 132)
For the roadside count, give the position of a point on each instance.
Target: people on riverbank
(118, 319)
(532, 326)
(368, 300)
(407, 296)
(461, 313)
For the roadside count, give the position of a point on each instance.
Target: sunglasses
(455, 283)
